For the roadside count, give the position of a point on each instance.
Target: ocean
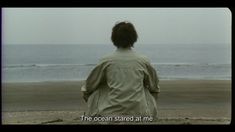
(36, 63)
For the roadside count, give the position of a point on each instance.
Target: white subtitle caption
(116, 118)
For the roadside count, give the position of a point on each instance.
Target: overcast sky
(93, 25)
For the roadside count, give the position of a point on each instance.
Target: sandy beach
(180, 102)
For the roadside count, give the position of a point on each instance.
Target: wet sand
(180, 102)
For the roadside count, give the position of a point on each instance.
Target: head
(124, 35)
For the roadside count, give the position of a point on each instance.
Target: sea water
(40, 62)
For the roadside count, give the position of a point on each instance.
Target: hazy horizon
(94, 25)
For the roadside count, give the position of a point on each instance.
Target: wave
(190, 64)
(44, 65)
(90, 64)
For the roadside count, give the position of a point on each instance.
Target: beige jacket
(121, 84)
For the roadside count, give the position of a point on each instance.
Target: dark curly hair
(124, 35)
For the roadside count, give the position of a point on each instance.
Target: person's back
(122, 84)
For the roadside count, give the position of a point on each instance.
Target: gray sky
(93, 25)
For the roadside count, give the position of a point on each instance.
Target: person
(123, 83)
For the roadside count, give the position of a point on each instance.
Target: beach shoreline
(180, 102)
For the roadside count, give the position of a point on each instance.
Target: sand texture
(180, 102)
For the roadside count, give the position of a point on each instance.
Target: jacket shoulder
(143, 58)
(106, 58)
